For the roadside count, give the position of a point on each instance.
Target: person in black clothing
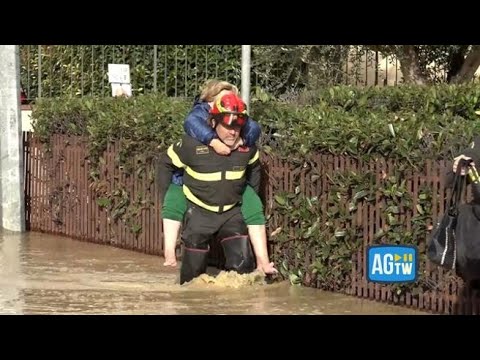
(213, 185)
(469, 246)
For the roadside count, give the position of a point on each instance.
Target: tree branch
(409, 65)
(457, 59)
(469, 67)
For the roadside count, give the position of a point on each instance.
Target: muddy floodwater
(46, 274)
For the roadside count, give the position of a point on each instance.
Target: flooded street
(46, 274)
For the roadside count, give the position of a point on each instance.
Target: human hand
(219, 147)
(457, 160)
(267, 268)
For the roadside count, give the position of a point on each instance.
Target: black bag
(468, 242)
(441, 249)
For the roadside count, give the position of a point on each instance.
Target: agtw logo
(392, 263)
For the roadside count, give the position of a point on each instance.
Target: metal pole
(12, 210)
(39, 94)
(155, 68)
(246, 65)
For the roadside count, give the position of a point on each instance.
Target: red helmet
(230, 110)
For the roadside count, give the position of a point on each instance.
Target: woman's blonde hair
(213, 87)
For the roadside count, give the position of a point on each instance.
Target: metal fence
(60, 199)
(179, 70)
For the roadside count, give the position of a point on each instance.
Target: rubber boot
(238, 254)
(194, 263)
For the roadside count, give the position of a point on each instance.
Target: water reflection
(45, 274)
(11, 279)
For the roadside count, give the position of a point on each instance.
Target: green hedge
(404, 123)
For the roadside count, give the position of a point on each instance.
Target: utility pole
(12, 209)
(246, 65)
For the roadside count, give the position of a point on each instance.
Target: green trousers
(175, 205)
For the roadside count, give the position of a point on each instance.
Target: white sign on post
(119, 78)
(119, 73)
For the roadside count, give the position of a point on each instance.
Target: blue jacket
(197, 127)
